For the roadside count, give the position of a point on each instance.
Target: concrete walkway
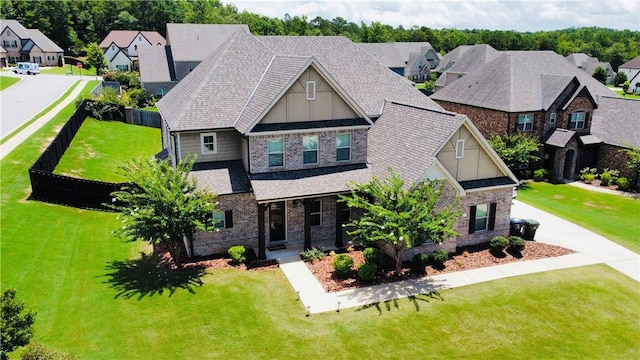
(590, 249)
(601, 189)
(21, 136)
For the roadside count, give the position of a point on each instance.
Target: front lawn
(6, 81)
(99, 298)
(100, 147)
(615, 217)
(68, 70)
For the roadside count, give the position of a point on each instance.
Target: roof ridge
(255, 89)
(443, 111)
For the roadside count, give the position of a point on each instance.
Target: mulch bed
(465, 258)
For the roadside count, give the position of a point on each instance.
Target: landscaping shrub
(373, 256)
(237, 254)
(499, 243)
(516, 243)
(440, 256)
(419, 262)
(540, 174)
(367, 271)
(588, 174)
(342, 263)
(38, 351)
(623, 183)
(315, 253)
(605, 179)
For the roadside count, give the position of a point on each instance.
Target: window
(209, 143)
(9, 43)
(525, 122)
(316, 213)
(552, 118)
(192, 66)
(311, 90)
(482, 217)
(135, 47)
(346, 215)
(275, 149)
(122, 68)
(222, 219)
(37, 59)
(310, 149)
(343, 147)
(113, 47)
(459, 149)
(577, 120)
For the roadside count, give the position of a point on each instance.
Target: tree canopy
(73, 24)
(16, 325)
(163, 205)
(401, 216)
(516, 150)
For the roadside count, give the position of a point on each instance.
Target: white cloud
(531, 15)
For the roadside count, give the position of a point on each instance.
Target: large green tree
(401, 215)
(96, 58)
(516, 150)
(163, 205)
(16, 324)
(600, 74)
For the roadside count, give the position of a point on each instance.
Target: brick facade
(610, 157)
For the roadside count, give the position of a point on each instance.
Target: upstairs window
(525, 122)
(459, 149)
(343, 147)
(577, 120)
(316, 213)
(311, 90)
(310, 149)
(209, 144)
(275, 150)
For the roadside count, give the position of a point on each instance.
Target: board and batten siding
(228, 146)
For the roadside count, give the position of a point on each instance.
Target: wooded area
(73, 24)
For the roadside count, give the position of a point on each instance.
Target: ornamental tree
(16, 325)
(600, 74)
(620, 78)
(399, 215)
(96, 58)
(163, 205)
(516, 150)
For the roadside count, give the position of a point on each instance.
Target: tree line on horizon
(73, 24)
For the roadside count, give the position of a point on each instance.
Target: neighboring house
(413, 60)
(541, 94)
(187, 46)
(121, 47)
(465, 60)
(581, 59)
(591, 67)
(451, 57)
(632, 69)
(281, 125)
(3, 57)
(29, 45)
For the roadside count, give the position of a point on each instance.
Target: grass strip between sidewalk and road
(7, 81)
(43, 112)
(615, 217)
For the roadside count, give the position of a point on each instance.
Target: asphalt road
(24, 100)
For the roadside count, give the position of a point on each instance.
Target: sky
(519, 15)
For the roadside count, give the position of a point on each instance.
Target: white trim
(179, 148)
(283, 152)
(204, 150)
(524, 123)
(306, 131)
(311, 90)
(459, 149)
(224, 220)
(437, 171)
(486, 218)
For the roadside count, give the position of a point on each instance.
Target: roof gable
(631, 64)
(15, 27)
(194, 42)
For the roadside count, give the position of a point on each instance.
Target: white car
(27, 68)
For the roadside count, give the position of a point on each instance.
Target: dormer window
(552, 118)
(311, 90)
(577, 120)
(525, 122)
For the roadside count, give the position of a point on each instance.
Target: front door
(568, 165)
(277, 222)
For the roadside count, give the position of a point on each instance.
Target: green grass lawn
(615, 217)
(629, 96)
(68, 68)
(100, 147)
(6, 81)
(98, 297)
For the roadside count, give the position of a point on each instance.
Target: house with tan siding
(281, 126)
(121, 47)
(28, 45)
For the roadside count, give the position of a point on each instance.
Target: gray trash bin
(530, 227)
(515, 227)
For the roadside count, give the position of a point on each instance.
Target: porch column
(339, 208)
(307, 224)
(261, 238)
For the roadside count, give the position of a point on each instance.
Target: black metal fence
(60, 189)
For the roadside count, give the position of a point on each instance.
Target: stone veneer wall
(293, 150)
(244, 230)
(610, 157)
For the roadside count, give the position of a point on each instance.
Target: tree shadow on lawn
(149, 276)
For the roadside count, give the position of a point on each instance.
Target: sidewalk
(21, 136)
(601, 189)
(590, 249)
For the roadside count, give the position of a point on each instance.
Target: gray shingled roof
(124, 38)
(451, 57)
(194, 42)
(406, 48)
(468, 61)
(408, 138)
(579, 59)
(302, 183)
(15, 26)
(235, 84)
(616, 121)
(518, 81)
(560, 137)
(590, 67)
(386, 53)
(153, 64)
(631, 64)
(38, 38)
(222, 177)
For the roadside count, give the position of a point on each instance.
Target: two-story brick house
(30, 45)
(121, 47)
(281, 125)
(538, 93)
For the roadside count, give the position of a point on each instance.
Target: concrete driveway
(24, 100)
